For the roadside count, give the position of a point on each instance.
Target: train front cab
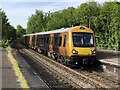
(80, 46)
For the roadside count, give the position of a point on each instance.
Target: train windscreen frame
(82, 39)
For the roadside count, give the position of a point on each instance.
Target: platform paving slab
(112, 58)
(9, 79)
(0, 68)
(33, 80)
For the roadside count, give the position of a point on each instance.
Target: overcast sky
(18, 11)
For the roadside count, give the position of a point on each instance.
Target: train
(70, 46)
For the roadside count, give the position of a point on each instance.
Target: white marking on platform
(111, 62)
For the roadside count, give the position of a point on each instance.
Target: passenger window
(56, 40)
(40, 40)
(37, 40)
(47, 40)
(59, 41)
(64, 41)
(44, 40)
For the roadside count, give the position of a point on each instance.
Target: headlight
(93, 51)
(74, 51)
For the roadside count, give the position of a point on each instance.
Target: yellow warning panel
(17, 70)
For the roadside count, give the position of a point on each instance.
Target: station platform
(109, 57)
(9, 79)
(12, 79)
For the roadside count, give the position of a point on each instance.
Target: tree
(35, 22)
(47, 17)
(114, 26)
(103, 19)
(20, 31)
(69, 17)
(4, 24)
(86, 13)
(55, 22)
(107, 25)
(8, 32)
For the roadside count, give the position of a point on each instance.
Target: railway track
(76, 78)
(101, 77)
(38, 74)
(45, 75)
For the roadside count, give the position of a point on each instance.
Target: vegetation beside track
(103, 19)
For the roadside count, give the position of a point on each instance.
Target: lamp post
(89, 20)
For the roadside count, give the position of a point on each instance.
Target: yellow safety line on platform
(17, 70)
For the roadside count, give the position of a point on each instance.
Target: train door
(50, 53)
(51, 43)
(35, 41)
(64, 44)
(56, 42)
(30, 41)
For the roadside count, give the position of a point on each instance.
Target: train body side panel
(51, 43)
(61, 44)
(30, 41)
(43, 42)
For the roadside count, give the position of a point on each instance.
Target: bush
(4, 43)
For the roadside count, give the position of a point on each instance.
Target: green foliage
(103, 19)
(55, 21)
(20, 31)
(69, 16)
(35, 22)
(87, 12)
(108, 25)
(7, 32)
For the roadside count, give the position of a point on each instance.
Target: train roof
(54, 31)
(28, 34)
(49, 32)
(57, 31)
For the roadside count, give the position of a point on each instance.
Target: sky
(18, 11)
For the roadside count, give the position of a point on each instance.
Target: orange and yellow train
(71, 46)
